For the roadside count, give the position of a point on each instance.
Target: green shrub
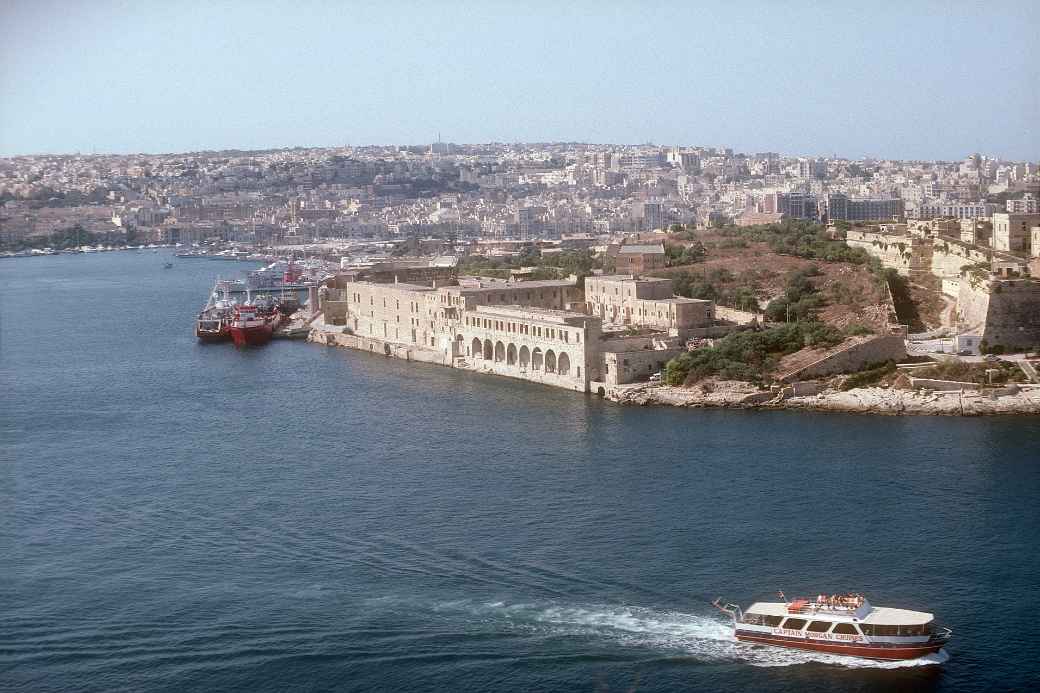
(869, 376)
(856, 329)
(749, 356)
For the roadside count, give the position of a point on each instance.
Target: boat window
(885, 630)
(867, 629)
(819, 626)
(845, 629)
(794, 623)
(753, 619)
(772, 621)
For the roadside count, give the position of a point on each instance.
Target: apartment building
(844, 208)
(1027, 204)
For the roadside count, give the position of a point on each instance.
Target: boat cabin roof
(880, 615)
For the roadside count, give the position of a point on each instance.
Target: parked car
(656, 377)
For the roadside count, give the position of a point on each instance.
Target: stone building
(633, 359)
(543, 331)
(976, 231)
(554, 347)
(1011, 231)
(636, 259)
(645, 302)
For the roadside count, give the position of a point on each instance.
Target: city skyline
(186, 78)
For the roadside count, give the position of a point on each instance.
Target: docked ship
(213, 323)
(254, 324)
(839, 624)
(280, 275)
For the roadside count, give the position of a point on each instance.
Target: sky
(907, 80)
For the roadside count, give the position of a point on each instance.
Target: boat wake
(704, 638)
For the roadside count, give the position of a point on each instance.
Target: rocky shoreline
(866, 400)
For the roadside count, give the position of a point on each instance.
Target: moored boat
(253, 325)
(840, 624)
(213, 324)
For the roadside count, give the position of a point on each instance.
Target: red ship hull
(852, 650)
(251, 336)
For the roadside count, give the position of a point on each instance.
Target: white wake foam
(702, 637)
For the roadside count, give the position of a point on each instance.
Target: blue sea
(178, 517)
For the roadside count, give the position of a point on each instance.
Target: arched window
(476, 349)
(511, 355)
(563, 364)
(536, 359)
(550, 361)
(525, 357)
(500, 351)
(489, 351)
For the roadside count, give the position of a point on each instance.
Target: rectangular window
(772, 621)
(819, 626)
(845, 629)
(794, 623)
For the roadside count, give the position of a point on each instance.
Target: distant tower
(293, 225)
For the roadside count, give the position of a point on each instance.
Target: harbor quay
(583, 336)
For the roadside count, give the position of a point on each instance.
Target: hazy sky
(891, 79)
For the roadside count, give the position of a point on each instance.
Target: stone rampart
(949, 256)
(858, 355)
(1004, 312)
(895, 252)
(407, 352)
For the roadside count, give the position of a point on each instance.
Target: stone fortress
(609, 330)
(989, 269)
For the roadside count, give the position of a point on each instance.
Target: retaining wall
(854, 358)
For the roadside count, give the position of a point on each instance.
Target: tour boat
(840, 624)
(253, 325)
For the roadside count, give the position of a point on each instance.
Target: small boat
(844, 624)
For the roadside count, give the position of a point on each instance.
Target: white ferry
(844, 624)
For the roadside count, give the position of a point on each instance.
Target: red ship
(253, 325)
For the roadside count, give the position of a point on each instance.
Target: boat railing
(734, 610)
(844, 606)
